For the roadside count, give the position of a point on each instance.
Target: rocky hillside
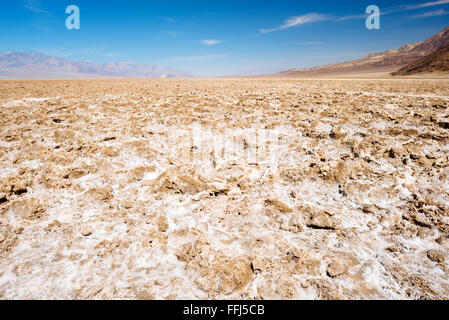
(436, 62)
(387, 61)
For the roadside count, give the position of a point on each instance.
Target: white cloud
(425, 5)
(410, 7)
(34, 6)
(429, 14)
(211, 42)
(298, 20)
(316, 17)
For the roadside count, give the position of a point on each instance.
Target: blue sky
(217, 37)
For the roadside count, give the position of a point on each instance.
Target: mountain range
(35, 65)
(383, 62)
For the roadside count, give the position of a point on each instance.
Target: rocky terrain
(437, 62)
(382, 62)
(226, 188)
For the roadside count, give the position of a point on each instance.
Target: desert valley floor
(224, 188)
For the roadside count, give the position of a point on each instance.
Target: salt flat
(224, 188)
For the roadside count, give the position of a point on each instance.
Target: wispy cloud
(202, 58)
(211, 42)
(298, 20)
(42, 18)
(34, 6)
(429, 14)
(424, 5)
(169, 19)
(317, 17)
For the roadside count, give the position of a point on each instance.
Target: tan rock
(76, 173)
(138, 173)
(217, 273)
(101, 194)
(162, 223)
(260, 264)
(110, 152)
(86, 230)
(435, 255)
(279, 205)
(18, 188)
(3, 198)
(322, 220)
(180, 180)
(29, 209)
(336, 268)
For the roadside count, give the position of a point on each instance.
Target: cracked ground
(103, 194)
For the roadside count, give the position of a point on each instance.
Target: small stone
(128, 204)
(443, 124)
(3, 198)
(86, 231)
(369, 208)
(101, 194)
(392, 248)
(336, 268)
(19, 188)
(77, 216)
(234, 192)
(279, 205)
(321, 220)
(291, 226)
(76, 173)
(157, 283)
(2, 237)
(110, 152)
(435, 255)
(260, 264)
(426, 162)
(162, 224)
(180, 181)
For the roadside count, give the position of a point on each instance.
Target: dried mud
(94, 203)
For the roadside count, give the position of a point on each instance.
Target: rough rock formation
(214, 189)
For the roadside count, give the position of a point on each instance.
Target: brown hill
(383, 62)
(434, 63)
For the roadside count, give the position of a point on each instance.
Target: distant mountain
(437, 62)
(383, 62)
(34, 65)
